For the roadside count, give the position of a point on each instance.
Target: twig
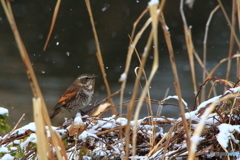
(205, 50)
(52, 24)
(190, 52)
(103, 101)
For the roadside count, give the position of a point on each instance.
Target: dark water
(71, 50)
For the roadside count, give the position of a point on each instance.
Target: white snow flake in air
(68, 53)
(105, 7)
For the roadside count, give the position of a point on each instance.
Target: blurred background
(71, 50)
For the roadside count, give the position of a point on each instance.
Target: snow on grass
(176, 97)
(232, 90)
(78, 119)
(121, 121)
(193, 115)
(31, 139)
(31, 126)
(85, 134)
(4, 149)
(196, 139)
(226, 133)
(7, 157)
(138, 157)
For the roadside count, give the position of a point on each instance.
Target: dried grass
(118, 137)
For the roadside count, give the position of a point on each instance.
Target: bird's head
(86, 80)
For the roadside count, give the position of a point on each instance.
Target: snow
(153, 2)
(123, 77)
(176, 97)
(193, 115)
(31, 139)
(83, 136)
(4, 149)
(16, 141)
(68, 53)
(122, 121)
(138, 122)
(236, 55)
(138, 157)
(232, 90)
(212, 119)
(3, 111)
(7, 157)
(167, 28)
(78, 119)
(205, 103)
(59, 131)
(107, 123)
(226, 134)
(31, 126)
(196, 139)
(106, 6)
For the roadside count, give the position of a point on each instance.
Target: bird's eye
(87, 78)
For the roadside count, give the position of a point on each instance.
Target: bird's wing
(70, 94)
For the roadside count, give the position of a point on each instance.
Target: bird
(77, 96)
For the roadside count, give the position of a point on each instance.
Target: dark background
(71, 50)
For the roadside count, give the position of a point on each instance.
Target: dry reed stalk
(231, 43)
(190, 47)
(145, 76)
(204, 69)
(200, 126)
(154, 32)
(219, 63)
(43, 151)
(229, 23)
(205, 52)
(137, 21)
(233, 33)
(134, 93)
(175, 73)
(131, 42)
(99, 56)
(31, 75)
(166, 121)
(52, 23)
(214, 84)
(160, 145)
(238, 17)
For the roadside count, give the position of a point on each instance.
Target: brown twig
(205, 50)
(52, 24)
(103, 101)
(200, 88)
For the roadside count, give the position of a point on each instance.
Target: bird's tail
(55, 112)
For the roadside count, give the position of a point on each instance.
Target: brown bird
(77, 96)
